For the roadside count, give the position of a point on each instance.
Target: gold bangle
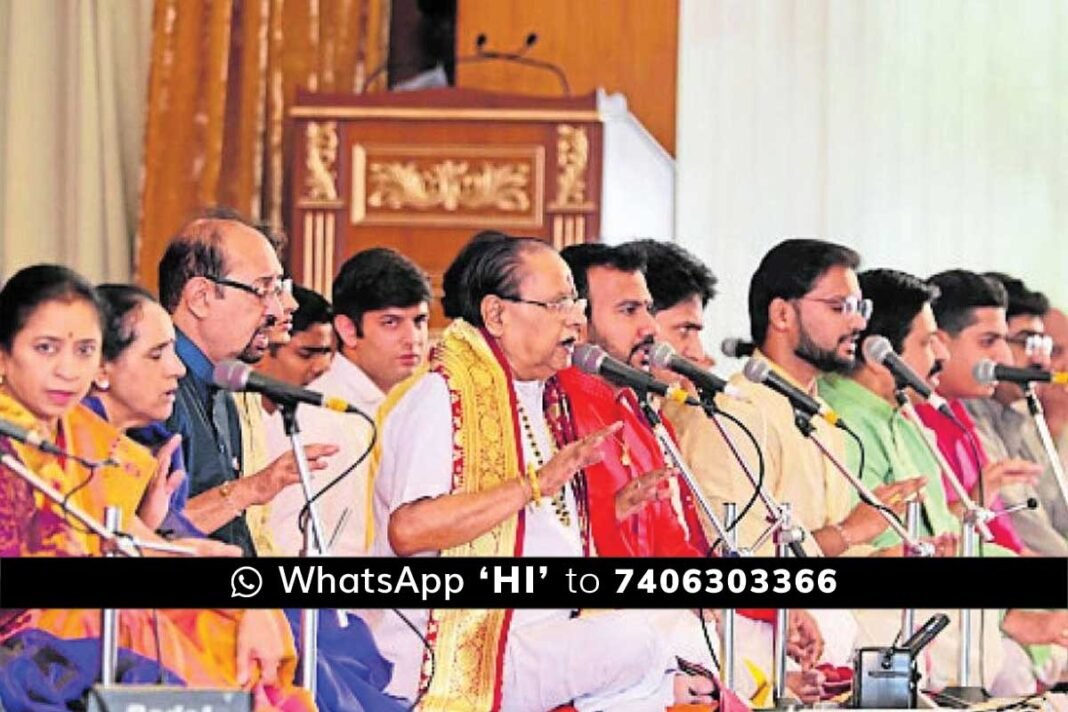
(846, 540)
(535, 486)
(224, 491)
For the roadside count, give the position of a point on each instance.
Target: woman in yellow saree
(50, 350)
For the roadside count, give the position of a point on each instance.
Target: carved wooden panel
(424, 171)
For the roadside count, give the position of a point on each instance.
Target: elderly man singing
(478, 458)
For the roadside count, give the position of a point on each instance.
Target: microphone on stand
(1030, 503)
(34, 439)
(519, 56)
(758, 371)
(662, 355)
(987, 371)
(733, 347)
(878, 349)
(238, 376)
(594, 360)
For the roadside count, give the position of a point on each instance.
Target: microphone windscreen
(231, 375)
(756, 370)
(660, 355)
(734, 347)
(587, 357)
(985, 371)
(876, 348)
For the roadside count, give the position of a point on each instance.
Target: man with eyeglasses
(478, 457)
(1008, 431)
(222, 283)
(806, 312)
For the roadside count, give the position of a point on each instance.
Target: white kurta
(621, 654)
(344, 508)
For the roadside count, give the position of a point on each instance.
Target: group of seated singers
(492, 444)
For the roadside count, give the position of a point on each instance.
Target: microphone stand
(110, 533)
(1038, 415)
(917, 548)
(109, 617)
(314, 545)
(726, 670)
(787, 536)
(123, 543)
(973, 514)
(671, 449)
(778, 514)
(912, 523)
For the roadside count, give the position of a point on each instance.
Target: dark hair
(376, 279)
(33, 286)
(674, 274)
(1022, 300)
(119, 301)
(584, 257)
(488, 264)
(897, 297)
(196, 251)
(788, 271)
(312, 308)
(962, 292)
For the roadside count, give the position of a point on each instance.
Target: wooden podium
(423, 171)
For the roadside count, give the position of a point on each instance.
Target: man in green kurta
(894, 449)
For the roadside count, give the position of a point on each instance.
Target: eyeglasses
(262, 291)
(560, 306)
(1033, 343)
(846, 306)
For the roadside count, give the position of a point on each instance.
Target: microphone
(664, 356)
(734, 347)
(593, 360)
(34, 439)
(237, 376)
(519, 56)
(877, 349)
(922, 637)
(987, 371)
(758, 371)
(1029, 503)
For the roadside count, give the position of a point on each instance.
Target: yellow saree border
(486, 453)
(89, 436)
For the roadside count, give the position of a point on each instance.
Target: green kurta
(893, 451)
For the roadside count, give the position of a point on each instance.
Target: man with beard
(221, 281)
(894, 451)
(806, 312)
(381, 305)
(1007, 430)
(681, 287)
(478, 457)
(637, 507)
(970, 312)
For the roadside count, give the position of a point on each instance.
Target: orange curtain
(223, 75)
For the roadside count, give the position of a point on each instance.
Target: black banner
(534, 583)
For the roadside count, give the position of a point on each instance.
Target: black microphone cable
(66, 501)
(423, 689)
(761, 470)
(860, 473)
(302, 515)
